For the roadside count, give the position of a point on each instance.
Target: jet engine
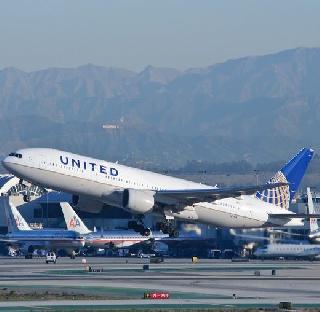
(138, 201)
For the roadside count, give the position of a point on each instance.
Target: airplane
(96, 182)
(288, 251)
(103, 239)
(21, 236)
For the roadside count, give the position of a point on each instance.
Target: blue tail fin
(292, 173)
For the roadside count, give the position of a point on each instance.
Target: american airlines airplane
(21, 236)
(95, 181)
(103, 239)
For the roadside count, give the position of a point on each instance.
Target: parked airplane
(95, 181)
(288, 251)
(21, 236)
(103, 239)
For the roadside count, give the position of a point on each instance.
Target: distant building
(110, 126)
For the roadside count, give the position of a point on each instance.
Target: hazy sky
(133, 34)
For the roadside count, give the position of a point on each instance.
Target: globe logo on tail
(279, 196)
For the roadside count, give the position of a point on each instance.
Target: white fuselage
(119, 239)
(101, 180)
(288, 250)
(48, 239)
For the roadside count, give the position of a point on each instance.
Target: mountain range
(256, 108)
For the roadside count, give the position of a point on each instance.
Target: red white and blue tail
(15, 220)
(72, 220)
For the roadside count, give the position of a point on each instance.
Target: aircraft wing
(203, 195)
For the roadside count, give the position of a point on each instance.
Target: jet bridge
(13, 186)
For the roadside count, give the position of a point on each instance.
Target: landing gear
(167, 228)
(26, 198)
(139, 227)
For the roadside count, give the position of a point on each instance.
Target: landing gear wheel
(167, 228)
(139, 227)
(173, 233)
(144, 231)
(26, 198)
(164, 227)
(159, 226)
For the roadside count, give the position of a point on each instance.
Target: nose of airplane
(8, 164)
(5, 162)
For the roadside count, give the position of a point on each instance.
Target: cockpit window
(16, 155)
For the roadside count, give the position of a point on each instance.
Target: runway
(123, 282)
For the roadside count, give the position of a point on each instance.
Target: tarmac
(123, 282)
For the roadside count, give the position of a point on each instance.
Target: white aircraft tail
(313, 222)
(72, 219)
(15, 220)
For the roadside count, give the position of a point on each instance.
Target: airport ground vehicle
(51, 257)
